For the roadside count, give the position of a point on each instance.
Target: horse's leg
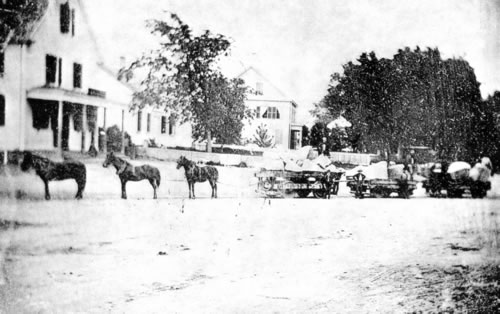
(47, 193)
(153, 184)
(81, 186)
(212, 185)
(192, 187)
(189, 188)
(124, 191)
(215, 186)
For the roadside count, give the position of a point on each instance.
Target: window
(50, 69)
(257, 112)
(171, 125)
(163, 125)
(259, 90)
(271, 113)
(148, 123)
(139, 121)
(65, 17)
(77, 75)
(2, 63)
(2, 110)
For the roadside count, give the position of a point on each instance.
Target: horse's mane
(121, 160)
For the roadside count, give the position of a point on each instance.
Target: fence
(249, 160)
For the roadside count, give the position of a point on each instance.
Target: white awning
(59, 94)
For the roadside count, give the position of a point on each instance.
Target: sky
(299, 44)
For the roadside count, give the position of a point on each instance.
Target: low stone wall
(224, 159)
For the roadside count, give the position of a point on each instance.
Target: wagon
(278, 183)
(381, 187)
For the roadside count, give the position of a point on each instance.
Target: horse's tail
(158, 178)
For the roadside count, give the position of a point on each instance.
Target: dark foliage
(415, 98)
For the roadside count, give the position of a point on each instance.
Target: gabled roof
(252, 69)
(26, 32)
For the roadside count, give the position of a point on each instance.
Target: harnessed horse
(198, 174)
(49, 170)
(126, 172)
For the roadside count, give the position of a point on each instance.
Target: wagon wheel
(303, 193)
(335, 188)
(268, 183)
(319, 193)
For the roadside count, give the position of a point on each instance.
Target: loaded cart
(382, 187)
(278, 183)
(378, 180)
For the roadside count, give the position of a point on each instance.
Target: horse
(126, 172)
(198, 174)
(49, 170)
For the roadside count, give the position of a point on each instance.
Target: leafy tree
(318, 131)
(262, 137)
(183, 79)
(415, 98)
(17, 18)
(227, 111)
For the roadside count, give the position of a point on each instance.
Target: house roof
(258, 73)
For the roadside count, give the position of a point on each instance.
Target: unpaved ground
(240, 253)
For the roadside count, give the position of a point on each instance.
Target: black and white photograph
(250, 156)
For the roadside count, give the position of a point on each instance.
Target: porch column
(123, 132)
(84, 126)
(105, 148)
(59, 126)
(22, 100)
(4, 161)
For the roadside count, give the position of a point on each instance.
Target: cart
(278, 183)
(382, 187)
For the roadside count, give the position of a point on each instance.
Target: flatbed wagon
(382, 187)
(278, 183)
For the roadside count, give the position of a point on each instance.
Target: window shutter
(73, 22)
(60, 71)
(2, 110)
(2, 63)
(139, 121)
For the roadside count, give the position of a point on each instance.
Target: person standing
(359, 178)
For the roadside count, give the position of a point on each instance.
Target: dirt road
(244, 254)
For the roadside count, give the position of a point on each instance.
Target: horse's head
(109, 159)
(181, 162)
(27, 161)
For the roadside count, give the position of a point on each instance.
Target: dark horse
(49, 170)
(198, 174)
(127, 172)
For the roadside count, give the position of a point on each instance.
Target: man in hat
(360, 179)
